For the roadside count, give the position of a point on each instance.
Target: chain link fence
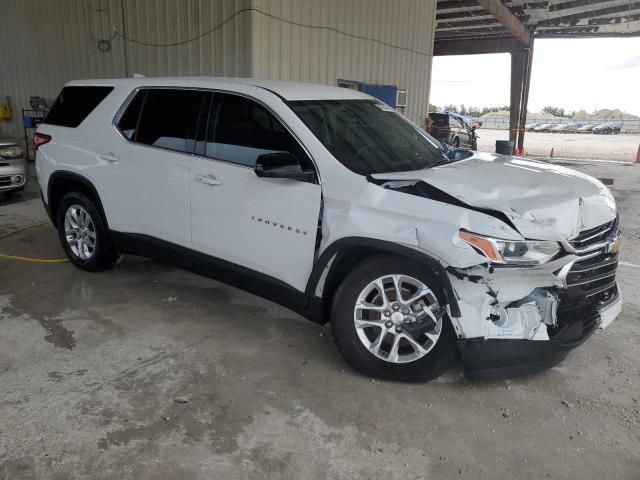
(502, 123)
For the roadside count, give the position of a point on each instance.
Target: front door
(264, 224)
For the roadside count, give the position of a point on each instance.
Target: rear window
(439, 119)
(74, 104)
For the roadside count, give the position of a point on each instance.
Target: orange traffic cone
(551, 153)
(638, 155)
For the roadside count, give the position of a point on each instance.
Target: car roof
(286, 90)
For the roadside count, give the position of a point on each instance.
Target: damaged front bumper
(517, 321)
(489, 359)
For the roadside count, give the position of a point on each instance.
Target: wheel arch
(343, 255)
(60, 183)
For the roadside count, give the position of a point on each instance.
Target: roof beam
(506, 18)
(555, 7)
(481, 13)
(453, 4)
(491, 21)
(614, 20)
(589, 13)
(465, 47)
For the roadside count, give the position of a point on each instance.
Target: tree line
(478, 112)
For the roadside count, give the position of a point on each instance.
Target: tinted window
(169, 118)
(440, 119)
(74, 104)
(368, 137)
(241, 130)
(129, 120)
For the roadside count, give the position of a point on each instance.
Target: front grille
(590, 283)
(5, 181)
(590, 277)
(596, 235)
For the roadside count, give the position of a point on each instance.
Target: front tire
(381, 333)
(84, 234)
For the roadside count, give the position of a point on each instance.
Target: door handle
(208, 179)
(108, 157)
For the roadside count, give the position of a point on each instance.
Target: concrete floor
(150, 372)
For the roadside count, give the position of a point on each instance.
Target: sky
(574, 74)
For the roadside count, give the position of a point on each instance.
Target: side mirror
(282, 165)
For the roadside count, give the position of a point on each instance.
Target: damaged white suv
(329, 202)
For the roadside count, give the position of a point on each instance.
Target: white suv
(327, 201)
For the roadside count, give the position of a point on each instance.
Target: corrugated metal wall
(285, 51)
(44, 44)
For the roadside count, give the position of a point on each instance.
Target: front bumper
(531, 318)
(490, 359)
(10, 169)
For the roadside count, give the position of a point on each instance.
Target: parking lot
(147, 371)
(622, 147)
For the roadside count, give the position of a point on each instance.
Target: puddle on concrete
(58, 334)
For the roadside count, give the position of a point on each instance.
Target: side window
(74, 104)
(129, 120)
(240, 130)
(169, 118)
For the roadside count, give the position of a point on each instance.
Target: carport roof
(464, 20)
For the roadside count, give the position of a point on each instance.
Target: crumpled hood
(544, 201)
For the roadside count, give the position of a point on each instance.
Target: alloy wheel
(398, 318)
(80, 232)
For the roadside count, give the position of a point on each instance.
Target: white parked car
(327, 201)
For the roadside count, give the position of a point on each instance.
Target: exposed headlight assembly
(11, 152)
(510, 252)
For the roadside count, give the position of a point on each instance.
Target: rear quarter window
(74, 104)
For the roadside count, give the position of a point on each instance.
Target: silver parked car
(545, 127)
(13, 165)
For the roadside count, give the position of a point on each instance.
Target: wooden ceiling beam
(508, 19)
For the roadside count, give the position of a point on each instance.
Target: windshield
(369, 137)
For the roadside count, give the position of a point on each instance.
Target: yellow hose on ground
(33, 260)
(29, 259)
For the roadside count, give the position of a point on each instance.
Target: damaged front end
(530, 250)
(531, 316)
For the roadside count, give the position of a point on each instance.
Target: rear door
(267, 225)
(148, 170)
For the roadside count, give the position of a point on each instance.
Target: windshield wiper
(439, 163)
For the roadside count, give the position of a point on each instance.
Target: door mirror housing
(282, 165)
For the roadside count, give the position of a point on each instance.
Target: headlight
(11, 152)
(525, 252)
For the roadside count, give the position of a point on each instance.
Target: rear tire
(424, 349)
(84, 234)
